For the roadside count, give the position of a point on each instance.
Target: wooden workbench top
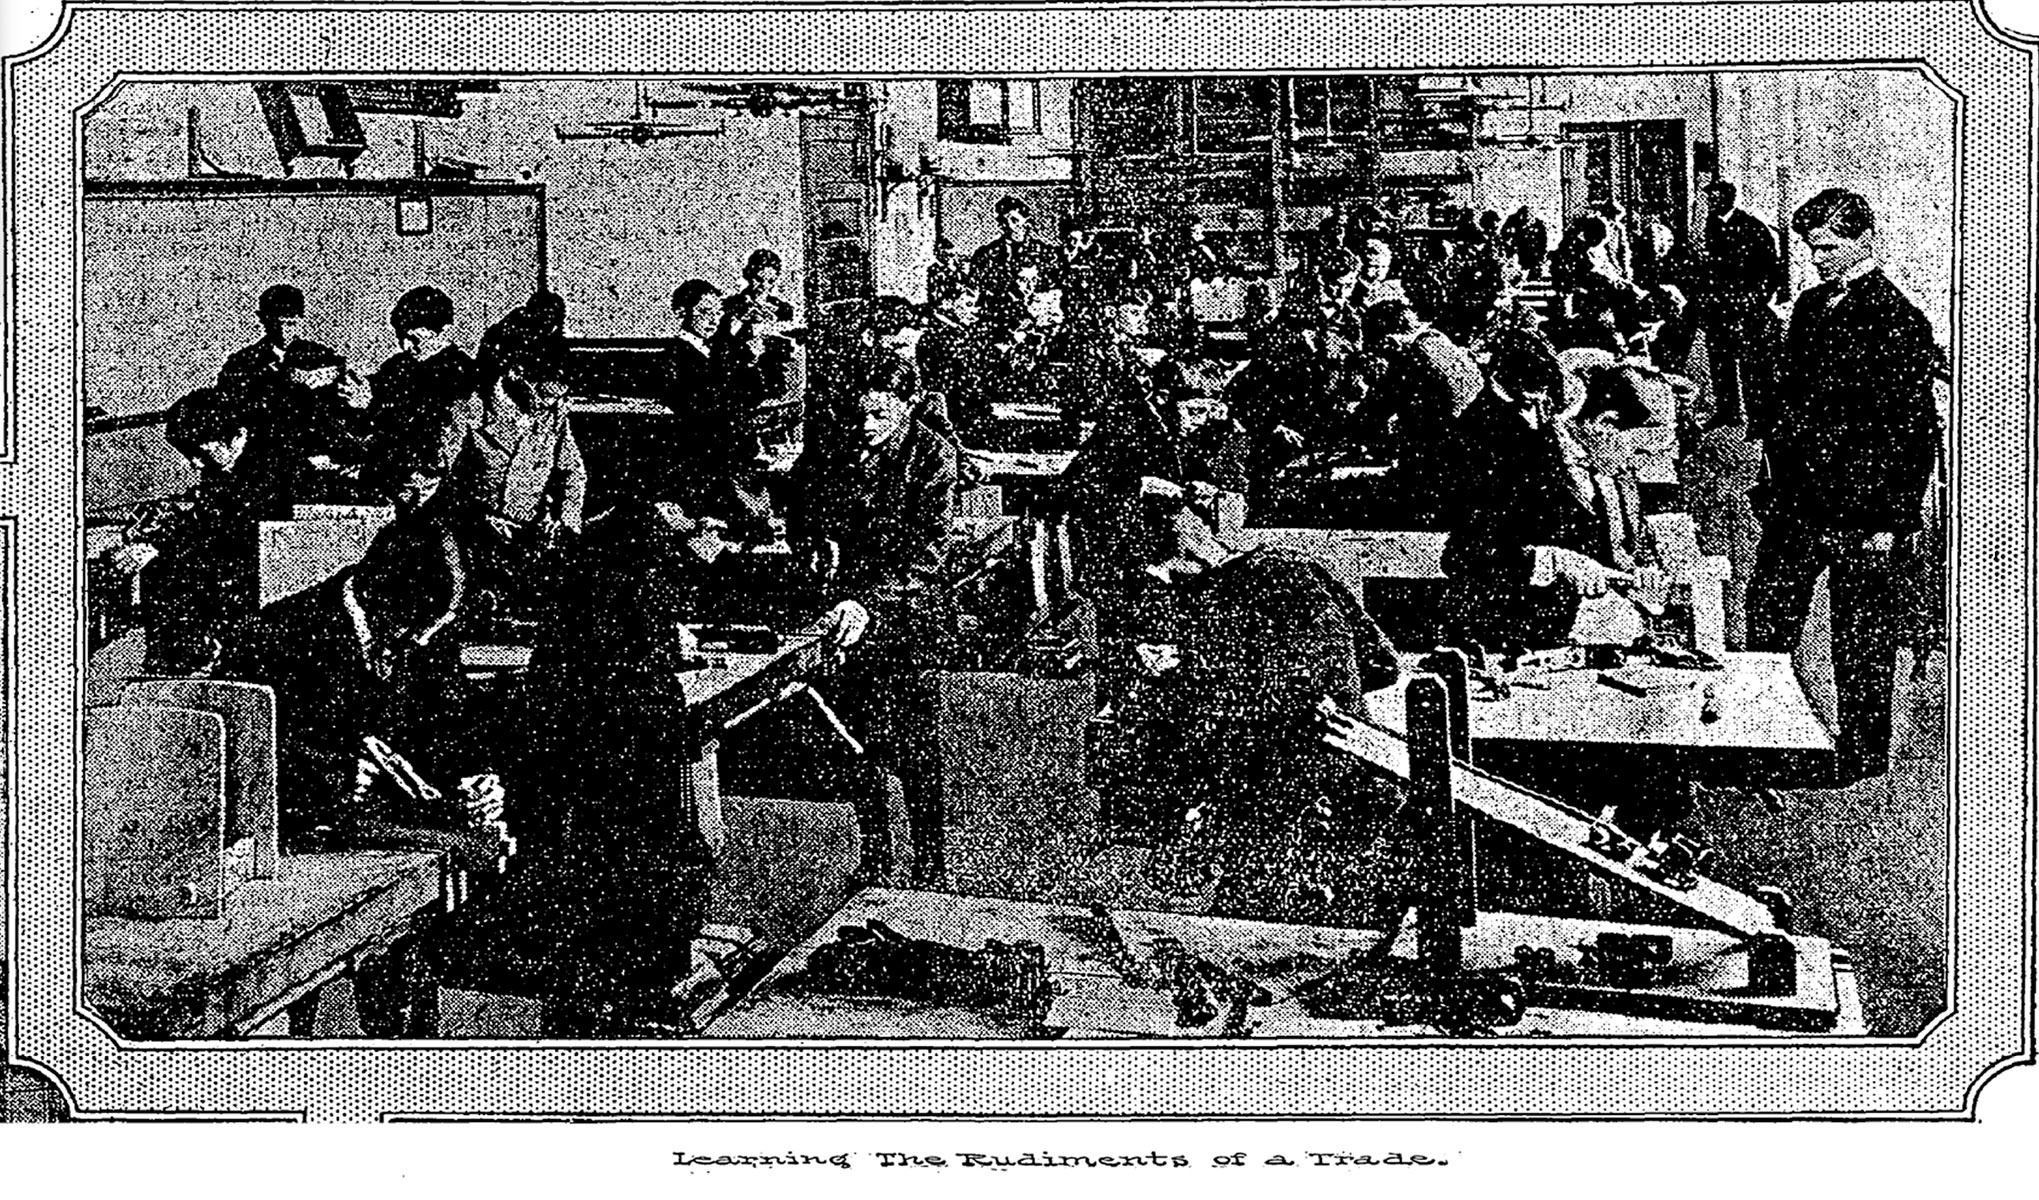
(277, 939)
(1759, 702)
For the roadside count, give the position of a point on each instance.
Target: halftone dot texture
(1988, 263)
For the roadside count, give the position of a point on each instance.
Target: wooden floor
(1866, 864)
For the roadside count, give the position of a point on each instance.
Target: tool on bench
(1198, 985)
(874, 959)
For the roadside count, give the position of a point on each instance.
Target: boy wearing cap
(198, 554)
(420, 401)
(287, 385)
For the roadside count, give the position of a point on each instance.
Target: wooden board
(298, 554)
(249, 710)
(154, 812)
(1555, 826)
(276, 941)
(999, 465)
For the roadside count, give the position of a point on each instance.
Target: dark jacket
(258, 374)
(1741, 256)
(1428, 385)
(1101, 487)
(688, 379)
(995, 269)
(421, 409)
(1105, 373)
(292, 422)
(1263, 638)
(953, 360)
(889, 519)
(715, 395)
(623, 869)
(1295, 383)
(1852, 444)
(206, 576)
(1525, 498)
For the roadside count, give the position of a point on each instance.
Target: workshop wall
(625, 223)
(907, 134)
(1785, 135)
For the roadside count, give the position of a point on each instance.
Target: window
(987, 110)
(1332, 108)
(1231, 115)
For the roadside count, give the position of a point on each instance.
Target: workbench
(278, 941)
(1399, 574)
(1094, 1002)
(680, 726)
(1560, 721)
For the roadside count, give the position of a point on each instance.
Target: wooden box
(249, 710)
(154, 812)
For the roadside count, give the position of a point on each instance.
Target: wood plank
(298, 554)
(154, 812)
(1554, 825)
(1095, 1003)
(1759, 708)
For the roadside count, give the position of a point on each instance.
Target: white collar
(694, 339)
(1858, 270)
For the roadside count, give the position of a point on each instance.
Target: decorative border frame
(1988, 1027)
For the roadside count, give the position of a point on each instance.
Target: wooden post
(1446, 909)
(1452, 669)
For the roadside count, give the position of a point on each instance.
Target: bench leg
(303, 1014)
(395, 993)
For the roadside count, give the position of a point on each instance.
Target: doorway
(1642, 164)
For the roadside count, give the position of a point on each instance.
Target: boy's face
(1378, 259)
(700, 319)
(552, 394)
(222, 454)
(281, 331)
(1131, 320)
(1834, 254)
(1045, 308)
(1197, 409)
(881, 416)
(416, 491)
(421, 343)
(709, 540)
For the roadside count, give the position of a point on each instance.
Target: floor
(1867, 865)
